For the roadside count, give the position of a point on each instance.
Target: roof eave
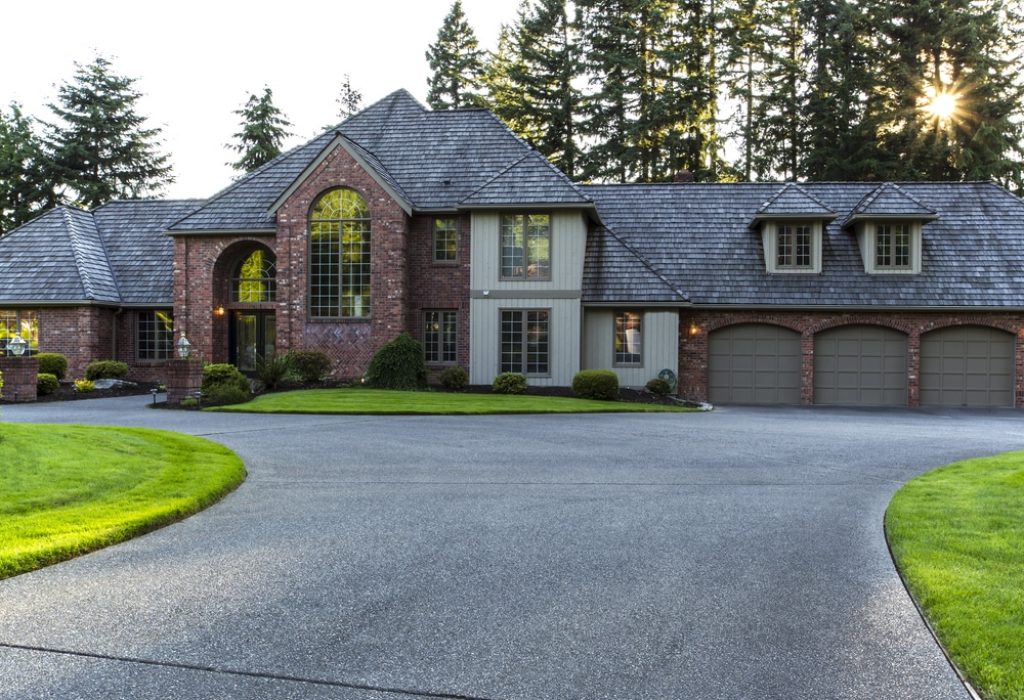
(223, 232)
(854, 218)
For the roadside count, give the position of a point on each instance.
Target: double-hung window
(440, 337)
(526, 246)
(793, 246)
(446, 241)
(628, 339)
(892, 246)
(524, 341)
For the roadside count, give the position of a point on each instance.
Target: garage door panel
(967, 366)
(754, 363)
(860, 366)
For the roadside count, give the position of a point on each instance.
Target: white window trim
(866, 232)
(770, 240)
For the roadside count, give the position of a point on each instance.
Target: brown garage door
(860, 366)
(754, 363)
(967, 366)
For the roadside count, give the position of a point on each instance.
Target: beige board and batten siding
(659, 344)
(561, 295)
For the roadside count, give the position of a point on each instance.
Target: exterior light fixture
(17, 345)
(219, 311)
(183, 347)
(694, 329)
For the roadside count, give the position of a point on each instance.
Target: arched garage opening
(754, 363)
(967, 366)
(860, 366)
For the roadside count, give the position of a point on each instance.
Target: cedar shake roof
(889, 200)
(792, 200)
(114, 255)
(698, 238)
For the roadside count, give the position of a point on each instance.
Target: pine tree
(531, 80)
(263, 130)
(100, 149)
(456, 62)
(24, 189)
(349, 99)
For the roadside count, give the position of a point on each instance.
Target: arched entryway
(247, 325)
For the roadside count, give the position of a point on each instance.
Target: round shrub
(398, 365)
(509, 383)
(47, 383)
(454, 378)
(53, 363)
(224, 394)
(309, 365)
(659, 387)
(106, 369)
(600, 384)
(218, 376)
(84, 386)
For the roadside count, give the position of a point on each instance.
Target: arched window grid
(339, 256)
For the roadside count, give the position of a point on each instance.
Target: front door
(253, 336)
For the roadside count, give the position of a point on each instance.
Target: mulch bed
(67, 393)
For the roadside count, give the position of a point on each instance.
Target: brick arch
(341, 185)
(712, 325)
(897, 324)
(1008, 325)
(224, 264)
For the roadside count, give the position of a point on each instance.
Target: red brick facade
(19, 375)
(694, 327)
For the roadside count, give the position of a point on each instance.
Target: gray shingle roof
(697, 236)
(116, 254)
(889, 199)
(793, 200)
(530, 180)
(435, 159)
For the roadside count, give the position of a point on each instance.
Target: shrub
(272, 370)
(659, 387)
(398, 365)
(224, 394)
(600, 384)
(309, 365)
(84, 385)
(219, 376)
(454, 378)
(47, 383)
(509, 383)
(106, 369)
(53, 363)
(189, 403)
(1, 385)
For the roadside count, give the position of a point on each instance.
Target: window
(439, 337)
(155, 335)
(526, 246)
(892, 246)
(339, 256)
(17, 322)
(255, 279)
(524, 341)
(628, 336)
(793, 246)
(446, 240)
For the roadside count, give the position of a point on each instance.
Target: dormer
(888, 223)
(792, 225)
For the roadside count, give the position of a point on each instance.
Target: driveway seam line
(247, 674)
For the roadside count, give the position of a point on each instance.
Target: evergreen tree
(456, 62)
(24, 191)
(100, 149)
(263, 130)
(531, 80)
(349, 99)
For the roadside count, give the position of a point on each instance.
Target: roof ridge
(378, 164)
(909, 196)
(642, 259)
(495, 177)
(78, 254)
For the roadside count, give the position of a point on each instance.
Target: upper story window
(446, 240)
(628, 339)
(793, 245)
(526, 246)
(155, 335)
(339, 256)
(19, 322)
(892, 246)
(255, 279)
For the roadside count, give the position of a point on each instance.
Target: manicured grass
(381, 402)
(957, 534)
(69, 489)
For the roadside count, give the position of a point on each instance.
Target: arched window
(255, 278)
(339, 256)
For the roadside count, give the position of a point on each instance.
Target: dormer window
(793, 245)
(892, 246)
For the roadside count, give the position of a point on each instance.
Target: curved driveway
(736, 554)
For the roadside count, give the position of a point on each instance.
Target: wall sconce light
(694, 329)
(17, 345)
(219, 311)
(183, 347)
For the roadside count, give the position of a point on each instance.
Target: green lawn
(957, 534)
(69, 489)
(382, 402)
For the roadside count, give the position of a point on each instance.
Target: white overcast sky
(196, 62)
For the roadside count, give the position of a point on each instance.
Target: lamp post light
(183, 347)
(17, 345)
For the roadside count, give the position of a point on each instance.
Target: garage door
(967, 366)
(754, 363)
(860, 366)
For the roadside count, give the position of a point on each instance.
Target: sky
(197, 62)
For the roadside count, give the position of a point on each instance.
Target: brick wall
(20, 376)
(694, 327)
(81, 334)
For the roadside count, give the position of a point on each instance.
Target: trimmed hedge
(509, 383)
(106, 369)
(454, 378)
(47, 383)
(224, 384)
(53, 363)
(598, 384)
(309, 365)
(398, 365)
(659, 387)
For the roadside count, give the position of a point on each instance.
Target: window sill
(340, 319)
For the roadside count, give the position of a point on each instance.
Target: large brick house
(448, 226)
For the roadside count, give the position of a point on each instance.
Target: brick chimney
(683, 176)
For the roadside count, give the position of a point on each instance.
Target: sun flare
(942, 106)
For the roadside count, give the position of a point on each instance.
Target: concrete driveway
(737, 554)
